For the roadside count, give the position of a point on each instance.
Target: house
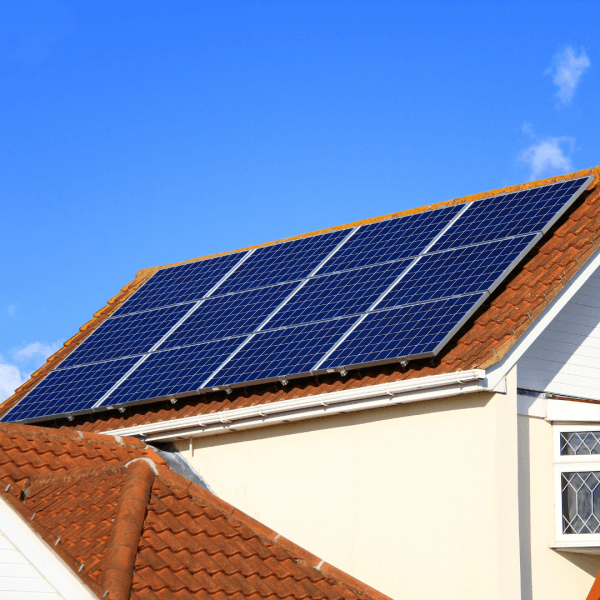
(87, 516)
(468, 471)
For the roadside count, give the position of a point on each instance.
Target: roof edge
(52, 543)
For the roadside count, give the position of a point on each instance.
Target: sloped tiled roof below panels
(489, 335)
(131, 528)
(499, 323)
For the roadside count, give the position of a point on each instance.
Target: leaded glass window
(580, 502)
(579, 443)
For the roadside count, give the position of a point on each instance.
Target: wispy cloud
(566, 71)
(25, 360)
(11, 310)
(10, 379)
(548, 157)
(35, 352)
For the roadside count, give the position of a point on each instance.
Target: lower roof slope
(484, 340)
(131, 528)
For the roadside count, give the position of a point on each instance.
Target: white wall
(418, 501)
(546, 573)
(565, 359)
(19, 579)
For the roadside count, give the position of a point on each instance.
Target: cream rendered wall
(546, 574)
(418, 500)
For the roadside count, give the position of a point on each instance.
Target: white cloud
(548, 157)
(10, 379)
(11, 310)
(27, 359)
(566, 70)
(36, 352)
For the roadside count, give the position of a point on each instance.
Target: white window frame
(567, 464)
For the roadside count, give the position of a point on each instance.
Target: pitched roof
(128, 525)
(483, 341)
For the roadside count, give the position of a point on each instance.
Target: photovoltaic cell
(183, 283)
(338, 294)
(70, 390)
(236, 314)
(401, 332)
(282, 352)
(125, 336)
(514, 214)
(392, 239)
(462, 271)
(174, 371)
(288, 261)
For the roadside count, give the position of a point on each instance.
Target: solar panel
(70, 390)
(181, 369)
(392, 239)
(338, 294)
(410, 331)
(456, 272)
(394, 289)
(182, 283)
(519, 213)
(125, 336)
(281, 352)
(231, 315)
(289, 261)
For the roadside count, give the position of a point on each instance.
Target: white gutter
(333, 403)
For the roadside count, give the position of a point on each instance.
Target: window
(577, 484)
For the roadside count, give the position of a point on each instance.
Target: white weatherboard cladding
(19, 579)
(565, 358)
(29, 568)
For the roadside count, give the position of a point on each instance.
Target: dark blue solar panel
(287, 261)
(392, 239)
(124, 336)
(338, 294)
(454, 272)
(70, 390)
(518, 213)
(183, 283)
(402, 332)
(282, 352)
(174, 371)
(237, 314)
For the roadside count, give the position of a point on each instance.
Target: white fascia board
(497, 372)
(364, 398)
(52, 568)
(566, 411)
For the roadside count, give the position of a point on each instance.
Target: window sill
(583, 547)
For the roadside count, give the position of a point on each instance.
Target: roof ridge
(75, 474)
(119, 559)
(69, 434)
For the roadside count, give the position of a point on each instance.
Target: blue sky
(135, 134)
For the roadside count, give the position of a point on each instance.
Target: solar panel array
(386, 291)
